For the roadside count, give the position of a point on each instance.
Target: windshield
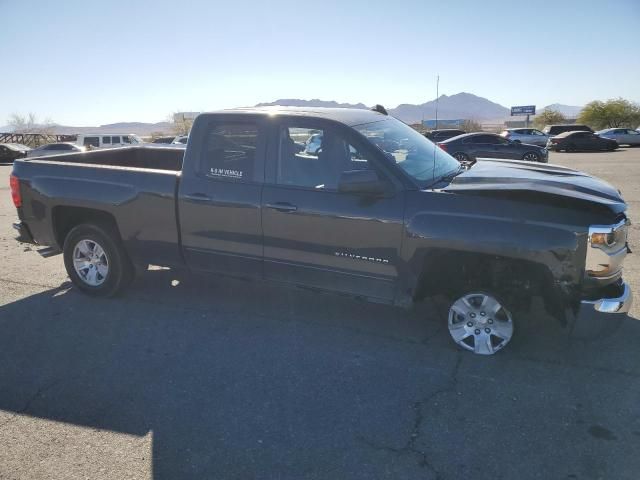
(412, 152)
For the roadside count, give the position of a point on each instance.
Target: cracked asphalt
(198, 377)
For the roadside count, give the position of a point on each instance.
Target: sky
(87, 63)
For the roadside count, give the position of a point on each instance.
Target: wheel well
(65, 218)
(451, 272)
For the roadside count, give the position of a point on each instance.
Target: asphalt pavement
(204, 377)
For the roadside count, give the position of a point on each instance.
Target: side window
(115, 139)
(91, 141)
(106, 140)
(126, 139)
(230, 152)
(486, 139)
(316, 158)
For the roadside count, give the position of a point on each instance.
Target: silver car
(55, 149)
(624, 136)
(530, 136)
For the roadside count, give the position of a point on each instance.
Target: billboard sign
(523, 110)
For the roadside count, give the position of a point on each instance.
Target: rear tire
(96, 260)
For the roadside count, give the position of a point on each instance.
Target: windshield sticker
(223, 172)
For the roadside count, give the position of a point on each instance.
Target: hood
(533, 180)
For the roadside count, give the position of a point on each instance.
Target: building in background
(443, 123)
(182, 116)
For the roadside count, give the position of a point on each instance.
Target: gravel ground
(224, 379)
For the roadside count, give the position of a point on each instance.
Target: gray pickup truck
(351, 201)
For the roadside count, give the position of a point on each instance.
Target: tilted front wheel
(96, 260)
(531, 157)
(478, 322)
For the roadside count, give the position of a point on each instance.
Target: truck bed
(156, 158)
(133, 187)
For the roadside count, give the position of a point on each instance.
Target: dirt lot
(218, 378)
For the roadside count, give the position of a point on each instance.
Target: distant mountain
(568, 111)
(295, 102)
(460, 105)
(450, 107)
(139, 128)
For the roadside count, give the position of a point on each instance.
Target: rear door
(220, 196)
(315, 235)
(632, 137)
(486, 146)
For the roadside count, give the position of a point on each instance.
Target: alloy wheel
(478, 322)
(90, 262)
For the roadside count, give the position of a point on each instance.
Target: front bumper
(24, 234)
(618, 299)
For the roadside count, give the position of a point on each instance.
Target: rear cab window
(230, 150)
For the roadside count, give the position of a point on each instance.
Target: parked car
(443, 134)
(553, 130)
(313, 144)
(624, 136)
(10, 151)
(180, 139)
(163, 140)
(530, 136)
(110, 140)
(389, 224)
(580, 141)
(471, 146)
(55, 149)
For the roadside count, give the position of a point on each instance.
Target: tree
(470, 126)
(29, 124)
(548, 117)
(613, 113)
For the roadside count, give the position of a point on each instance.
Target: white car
(180, 140)
(313, 144)
(530, 136)
(55, 149)
(624, 136)
(108, 140)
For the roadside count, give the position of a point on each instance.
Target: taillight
(14, 183)
(442, 146)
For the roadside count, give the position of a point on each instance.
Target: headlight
(603, 239)
(608, 249)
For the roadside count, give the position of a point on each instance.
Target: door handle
(282, 206)
(198, 197)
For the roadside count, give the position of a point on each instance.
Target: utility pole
(437, 98)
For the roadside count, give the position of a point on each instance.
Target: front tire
(461, 157)
(96, 260)
(531, 157)
(479, 322)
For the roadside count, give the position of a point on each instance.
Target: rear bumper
(24, 234)
(618, 299)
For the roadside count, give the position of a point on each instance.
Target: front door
(219, 198)
(315, 235)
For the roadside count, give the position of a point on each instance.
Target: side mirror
(361, 181)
